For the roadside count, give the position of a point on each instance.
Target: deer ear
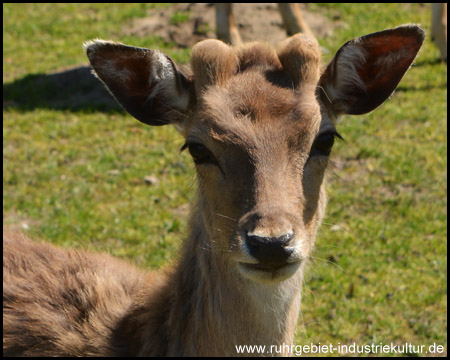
(145, 82)
(366, 70)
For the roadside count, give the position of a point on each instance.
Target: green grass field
(77, 174)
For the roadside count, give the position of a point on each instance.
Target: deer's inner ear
(366, 70)
(145, 82)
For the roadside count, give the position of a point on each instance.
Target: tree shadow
(74, 89)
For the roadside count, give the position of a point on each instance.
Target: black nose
(270, 251)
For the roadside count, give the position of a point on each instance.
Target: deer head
(260, 125)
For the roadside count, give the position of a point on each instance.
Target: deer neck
(216, 308)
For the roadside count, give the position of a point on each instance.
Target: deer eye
(200, 154)
(324, 143)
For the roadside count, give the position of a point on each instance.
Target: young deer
(228, 32)
(439, 27)
(260, 125)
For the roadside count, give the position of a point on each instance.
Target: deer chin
(268, 274)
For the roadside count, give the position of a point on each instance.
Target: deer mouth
(269, 273)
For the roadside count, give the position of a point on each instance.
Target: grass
(179, 17)
(76, 175)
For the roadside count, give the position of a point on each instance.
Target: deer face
(260, 126)
(260, 181)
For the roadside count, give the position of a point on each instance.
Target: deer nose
(270, 251)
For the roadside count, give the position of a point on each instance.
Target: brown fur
(62, 301)
(213, 62)
(260, 126)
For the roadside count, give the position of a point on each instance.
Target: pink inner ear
(388, 59)
(145, 82)
(387, 56)
(387, 62)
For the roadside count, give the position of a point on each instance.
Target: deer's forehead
(250, 110)
(252, 95)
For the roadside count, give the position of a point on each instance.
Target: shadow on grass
(75, 89)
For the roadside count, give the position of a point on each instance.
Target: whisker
(226, 217)
(328, 261)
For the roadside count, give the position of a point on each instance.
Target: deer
(439, 28)
(227, 31)
(259, 124)
(291, 14)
